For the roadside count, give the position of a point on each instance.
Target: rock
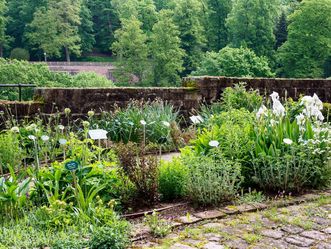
(316, 235)
(292, 229)
(188, 219)
(181, 246)
(275, 234)
(212, 214)
(299, 241)
(213, 245)
(327, 230)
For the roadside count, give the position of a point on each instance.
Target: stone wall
(211, 88)
(187, 98)
(80, 101)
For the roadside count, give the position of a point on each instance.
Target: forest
(161, 41)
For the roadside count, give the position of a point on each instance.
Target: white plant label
(98, 134)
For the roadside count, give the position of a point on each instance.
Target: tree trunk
(67, 54)
(1, 50)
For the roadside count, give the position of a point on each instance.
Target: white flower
(31, 127)
(15, 129)
(214, 143)
(196, 119)
(274, 96)
(86, 123)
(45, 138)
(143, 122)
(262, 112)
(166, 124)
(317, 102)
(278, 108)
(300, 119)
(32, 137)
(273, 122)
(60, 127)
(287, 141)
(67, 111)
(62, 141)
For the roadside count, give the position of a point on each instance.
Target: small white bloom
(214, 143)
(196, 119)
(300, 119)
(166, 124)
(263, 111)
(15, 129)
(90, 114)
(62, 141)
(86, 123)
(32, 137)
(317, 102)
(60, 127)
(67, 111)
(143, 122)
(274, 96)
(273, 122)
(45, 138)
(287, 141)
(278, 108)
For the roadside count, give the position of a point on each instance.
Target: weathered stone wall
(80, 101)
(187, 98)
(211, 88)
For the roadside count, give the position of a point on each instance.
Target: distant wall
(80, 101)
(211, 88)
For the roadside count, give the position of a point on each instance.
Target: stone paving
(306, 225)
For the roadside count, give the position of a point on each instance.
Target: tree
(56, 27)
(144, 10)
(105, 21)
(251, 23)
(4, 38)
(165, 50)
(86, 31)
(217, 33)
(281, 30)
(187, 16)
(236, 62)
(308, 47)
(130, 46)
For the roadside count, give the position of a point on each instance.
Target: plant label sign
(71, 166)
(98, 134)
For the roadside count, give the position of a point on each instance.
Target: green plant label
(72, 165)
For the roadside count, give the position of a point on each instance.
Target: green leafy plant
(172, 179)
(211, 178)
(159, 227)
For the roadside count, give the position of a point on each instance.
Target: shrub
(115, 236)
(211, 178)
(91, 79)
(20, 54)
(159, 227)
(10, 152)
(172, 179)
(235, 62)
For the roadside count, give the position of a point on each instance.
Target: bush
(91, 79)
(20, 54)
(10, 152)
(211, 178)
(172, 179)
(236, 62)
(114, 237)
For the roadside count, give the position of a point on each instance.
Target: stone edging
(220, 213)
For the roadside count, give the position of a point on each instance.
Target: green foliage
(125, 124)
(248, 28)
(188, 17)
(131, 47)
(211, 178)
(252, 197)
(115, 236)
(90, 79)
(238, 97)
(304, 53)
(217, 33)
(20, 54)
(159, 227)
(165, 49)
(238, 62)
(172, 179)
(56, 27)
(11, 154)
(4, 38)
(289, 156)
